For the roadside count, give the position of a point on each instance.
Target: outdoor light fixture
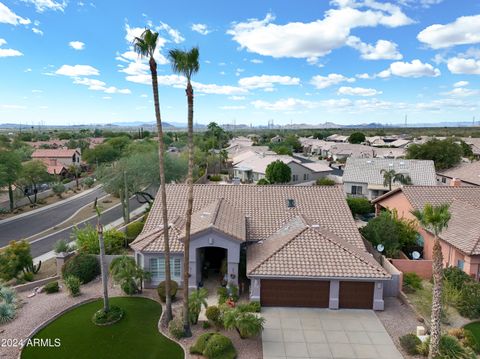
(232, 276)
(210, 240)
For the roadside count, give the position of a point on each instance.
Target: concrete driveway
(304, 333)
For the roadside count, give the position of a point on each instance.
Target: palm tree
(103, 267)
(435, 219)
(145, 46)
(197, 299)
(186, 63)
(390, 176)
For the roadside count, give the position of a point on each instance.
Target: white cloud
(97, 85)
(2, 42)
(256, 61)
(464, 30)
(76, 45)
(267, 81)
(237, 98)
(77, 70)
(317, 38)
(27, 70)
(288, 104)
(42, 5)
(364, 76)
(460, 92)
(201, 29)
(458, 65)
(383, 49)
(358, 91)
(174, 33)
(8, 52)
(217, 89)
(461, 84)
(422, 3)
(232, 107)
(415, 69)
(12, 107)
(37, 31)
(7, 16)
(321, 82)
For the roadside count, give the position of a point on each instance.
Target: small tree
(33, 173)
(278, 172)
(196, 300)
(10, 168)
(390, 176)
(58, 189)
(14, 258)
(356, 137)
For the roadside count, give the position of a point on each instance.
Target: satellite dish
(415, 255)
(380, 247)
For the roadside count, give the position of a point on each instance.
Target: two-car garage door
(315, 293)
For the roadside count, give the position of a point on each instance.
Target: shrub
(87, 240)
(73, 285)
(162, 293)
(222, 293)
(206, 325)
(215, 178)
(360, 205)
(465, 337)
(409, 343)
(28, 276)
(88, 182)
(213, 314)
(175, 328)
(196, 300)
(105, 318)
(263, 182)
(457, 277)
(83, 266)
(324, 181)
(412, 282)
(246, 324)
(51, 287)
(133, 230)
(7, 295)
(252, 307)
(13, 258)
(7, 312)
(214, 346)
(124, 271)
(469, 302)
(58, 189)
(233, 292)
(61, 246)
(450, 348)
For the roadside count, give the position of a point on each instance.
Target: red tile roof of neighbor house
(316, 237)
(463, 230)
(58, 153)
(466, 172)
(55, 169)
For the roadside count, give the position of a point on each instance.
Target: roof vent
(290, 203)
(315, 226)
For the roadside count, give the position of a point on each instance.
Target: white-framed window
(157, 268)
(294, 178)
(356, 189)
(176, 267)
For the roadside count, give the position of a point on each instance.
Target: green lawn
(135, 336)
(475, 329)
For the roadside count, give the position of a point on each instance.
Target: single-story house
(253, 167)
(64, 157)
(364, 177)
(276, 139)
(337, 138)
(295, 245)
(461, 240)
(467, 173)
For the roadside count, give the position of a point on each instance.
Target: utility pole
(126, 197)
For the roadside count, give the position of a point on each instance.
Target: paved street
(304, 333)
(29, 225)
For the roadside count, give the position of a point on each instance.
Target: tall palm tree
(186, 63)
(435, 219)
(390, 176)
(145, 46)
(103, 266)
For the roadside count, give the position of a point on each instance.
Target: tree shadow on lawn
(135, 336)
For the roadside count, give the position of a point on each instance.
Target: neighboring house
(94, 141)
(468, 174)
(253, 167)
(364, 177)
(57, 160)
(461, 240)
(400, 143)
(388, 152)
(342, 151)
(337, 138)
(474, 143)
(240, 141)
(301, 243)
(375, 141)
(276, 139)
(53, 144)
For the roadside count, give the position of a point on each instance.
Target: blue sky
(343, 61)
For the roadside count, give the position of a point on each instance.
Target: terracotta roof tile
(60, 153)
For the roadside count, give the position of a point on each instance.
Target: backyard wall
(422, 267)
(393, 287)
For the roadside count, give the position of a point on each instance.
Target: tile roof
(302, 250)
(265, 207)
(467, 172)
(152, 240)
(56, 169)
(59, 153)
(418, 196)
(368, 170)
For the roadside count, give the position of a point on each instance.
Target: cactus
(32, 268)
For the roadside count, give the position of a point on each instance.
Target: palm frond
(185, 62)
(146, 44)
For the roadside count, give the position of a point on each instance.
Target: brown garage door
(358, 295)
(294, 293)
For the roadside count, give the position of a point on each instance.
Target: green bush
(13, 258)
(7, 312)
(58, 189)
(51, 287)
(263, 182)
(222, 293)
(133, 230)
(214, 346)
(88, 182)
(252, 307)
(87, 240)
(412, 282)
(213, 314)
(73, 285)
(85, 267)
(162, 293)
(215, 178)
(469, 302)
(61, 246)
(466, 338)
(360, 205)
(104, 318)
(246, 324)
(66, 180)
(175, 328)
(450, 348)
(206, 325)
(409, 343)
(28, 276)
(324, 181)
(457, 277)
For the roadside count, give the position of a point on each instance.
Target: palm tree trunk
(103, 269)
(188, 224)
(10, 197)
(435, 331)
(163, 191)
